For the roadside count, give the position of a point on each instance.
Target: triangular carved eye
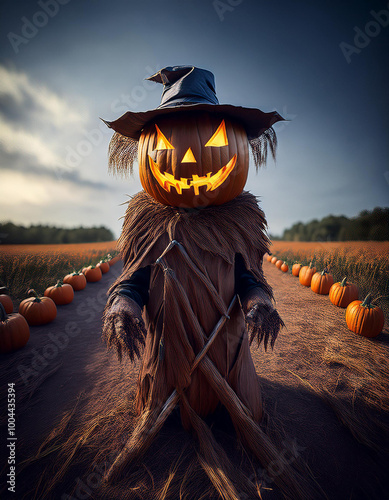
(162, 142)
(219, 138)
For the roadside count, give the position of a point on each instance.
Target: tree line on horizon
(13, 234)
(368, 225)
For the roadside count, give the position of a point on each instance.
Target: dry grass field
(71, 248)
(361, 249)
(38, 266)
(365, 263)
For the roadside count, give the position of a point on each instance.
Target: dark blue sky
(90, 59)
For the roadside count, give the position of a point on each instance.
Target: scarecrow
(192, 295)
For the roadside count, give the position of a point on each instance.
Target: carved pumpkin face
(193, 159)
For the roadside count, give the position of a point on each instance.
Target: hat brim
(254, 121)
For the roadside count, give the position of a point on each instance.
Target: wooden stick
(141, 438)
(286, 476)
(218, 301)
(148, 427)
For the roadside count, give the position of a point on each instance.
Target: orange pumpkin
(364, 318)
(104, 266)
(77, 281)
(322, 282)
(279, 263)
(38, 310)
(269, 257)
(296, 269)
(343, 293)
(306, 273)
(14, 331)
(193, 159)
(93, 274)
(7, 303)
(284, 268)
(113, 260)
(61, 293)
(273, 260)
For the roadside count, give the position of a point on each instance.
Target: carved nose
(189, 157)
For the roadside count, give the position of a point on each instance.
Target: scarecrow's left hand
(263, 320)
(123, 326)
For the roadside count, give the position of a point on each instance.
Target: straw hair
(122, 154)
(261, 145)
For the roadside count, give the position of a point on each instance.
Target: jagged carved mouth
(167, 181)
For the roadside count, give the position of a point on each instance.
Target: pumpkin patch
(306, 273)
(77, 281)
(7, 303)
(14, 331)
(322, 282)
(92, 274)
(61, 293)
(343, 293)
(38, 310)
(364, 318)
(104, 266)
(284, 267)
(296, 269)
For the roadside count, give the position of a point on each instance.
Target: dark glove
(263, 320)
(123, 326)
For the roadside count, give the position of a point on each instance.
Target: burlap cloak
(185, 297)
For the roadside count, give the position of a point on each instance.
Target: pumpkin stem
(59, 284)
(344, 281)
(325, 271)
(32, 293)
(367, 301)
(3, 314)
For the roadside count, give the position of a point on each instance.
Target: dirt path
(51, 372)
(305, 360)
(316, 348)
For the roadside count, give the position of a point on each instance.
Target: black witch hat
(187, 88)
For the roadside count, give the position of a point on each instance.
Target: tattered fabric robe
(187, 294)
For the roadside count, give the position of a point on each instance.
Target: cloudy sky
(65, 63)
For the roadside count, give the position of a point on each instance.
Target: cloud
(45, 104)
(13, 162)
(36, 128)
(25, 143)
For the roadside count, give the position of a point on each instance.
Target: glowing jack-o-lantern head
(193, 159)
(192, 151)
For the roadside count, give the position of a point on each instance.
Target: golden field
(365, 263)
(71, 248)
(368, 249)
(38, 266)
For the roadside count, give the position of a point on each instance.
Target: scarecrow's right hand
(123, 326)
